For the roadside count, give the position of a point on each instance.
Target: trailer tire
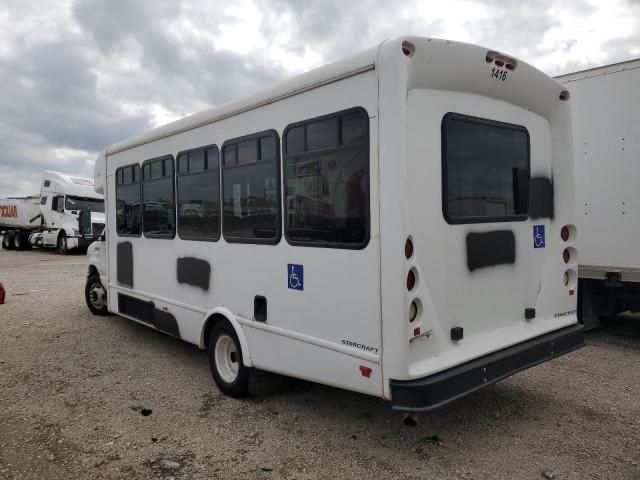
(225, 361)
(96, 296)
(7, 240)
(21, 240)
(62, 244)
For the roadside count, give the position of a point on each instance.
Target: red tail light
(566, 255)
(488, 59)
(408, 48)
(411, 280)
(408, 249)
(510, 66)
(499, 63)
(564, 233)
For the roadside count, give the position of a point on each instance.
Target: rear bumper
(428, 393)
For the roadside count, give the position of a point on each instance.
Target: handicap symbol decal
(538, 236)
(295, 275)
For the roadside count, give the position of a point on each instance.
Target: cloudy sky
(77, 75)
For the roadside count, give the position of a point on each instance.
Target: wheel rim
(97, 296)
(227, 358)
(63, 243)
(16, 241)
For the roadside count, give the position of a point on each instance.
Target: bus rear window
(485, 167)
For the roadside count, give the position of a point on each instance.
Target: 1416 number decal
(498, 74)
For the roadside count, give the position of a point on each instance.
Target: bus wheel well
(211, 322)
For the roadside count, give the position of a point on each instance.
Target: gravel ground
(90, 397)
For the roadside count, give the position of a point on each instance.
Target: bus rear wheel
(225, 361)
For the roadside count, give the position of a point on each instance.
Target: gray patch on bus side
(194, 271)
(165, 322)
(124, 264)
(541, 198)
(488, 249)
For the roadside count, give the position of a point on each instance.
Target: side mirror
(84, 224)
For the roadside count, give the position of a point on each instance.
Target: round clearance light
(488, 59)
(413, 311)
(566, 278)
(408, 48)
(564, 95)
(408, 248)
(411, 279)
(566, 255)
(564, 233)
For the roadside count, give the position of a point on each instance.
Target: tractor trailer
(50, 219)
(606, 148)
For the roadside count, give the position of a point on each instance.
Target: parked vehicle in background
(385, 224)
(50, 219)
(606, 108)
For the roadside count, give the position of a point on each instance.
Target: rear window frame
(445, 173)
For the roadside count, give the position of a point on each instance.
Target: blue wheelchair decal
(538, 236)
(295, 276)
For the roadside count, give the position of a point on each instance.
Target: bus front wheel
(225, 361)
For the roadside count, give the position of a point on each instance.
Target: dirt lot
(90, 397)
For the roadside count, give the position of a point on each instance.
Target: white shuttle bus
(400, 223)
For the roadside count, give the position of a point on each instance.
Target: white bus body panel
(606, 106)
(488, 303)
(341, 297)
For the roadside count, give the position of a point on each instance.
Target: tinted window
(199, 195)
(327, 193)
(322, 134)
(128, 212)
(295, 140)
(230, 155)
(486, 169)
(251, 193)
(47, 183)
(158, 204)
(43, 201)
(248, 151)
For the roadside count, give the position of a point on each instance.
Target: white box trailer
(50, 219)
(606, 123)
(385, 224)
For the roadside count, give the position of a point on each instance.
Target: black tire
(237, 387)
(62, 244)
(96, 296)
(21, 240)
(7, 240)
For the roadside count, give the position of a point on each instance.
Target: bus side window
(128, 212)
(199, 194)
(251, 189)
(327, 180)
(158, 205)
